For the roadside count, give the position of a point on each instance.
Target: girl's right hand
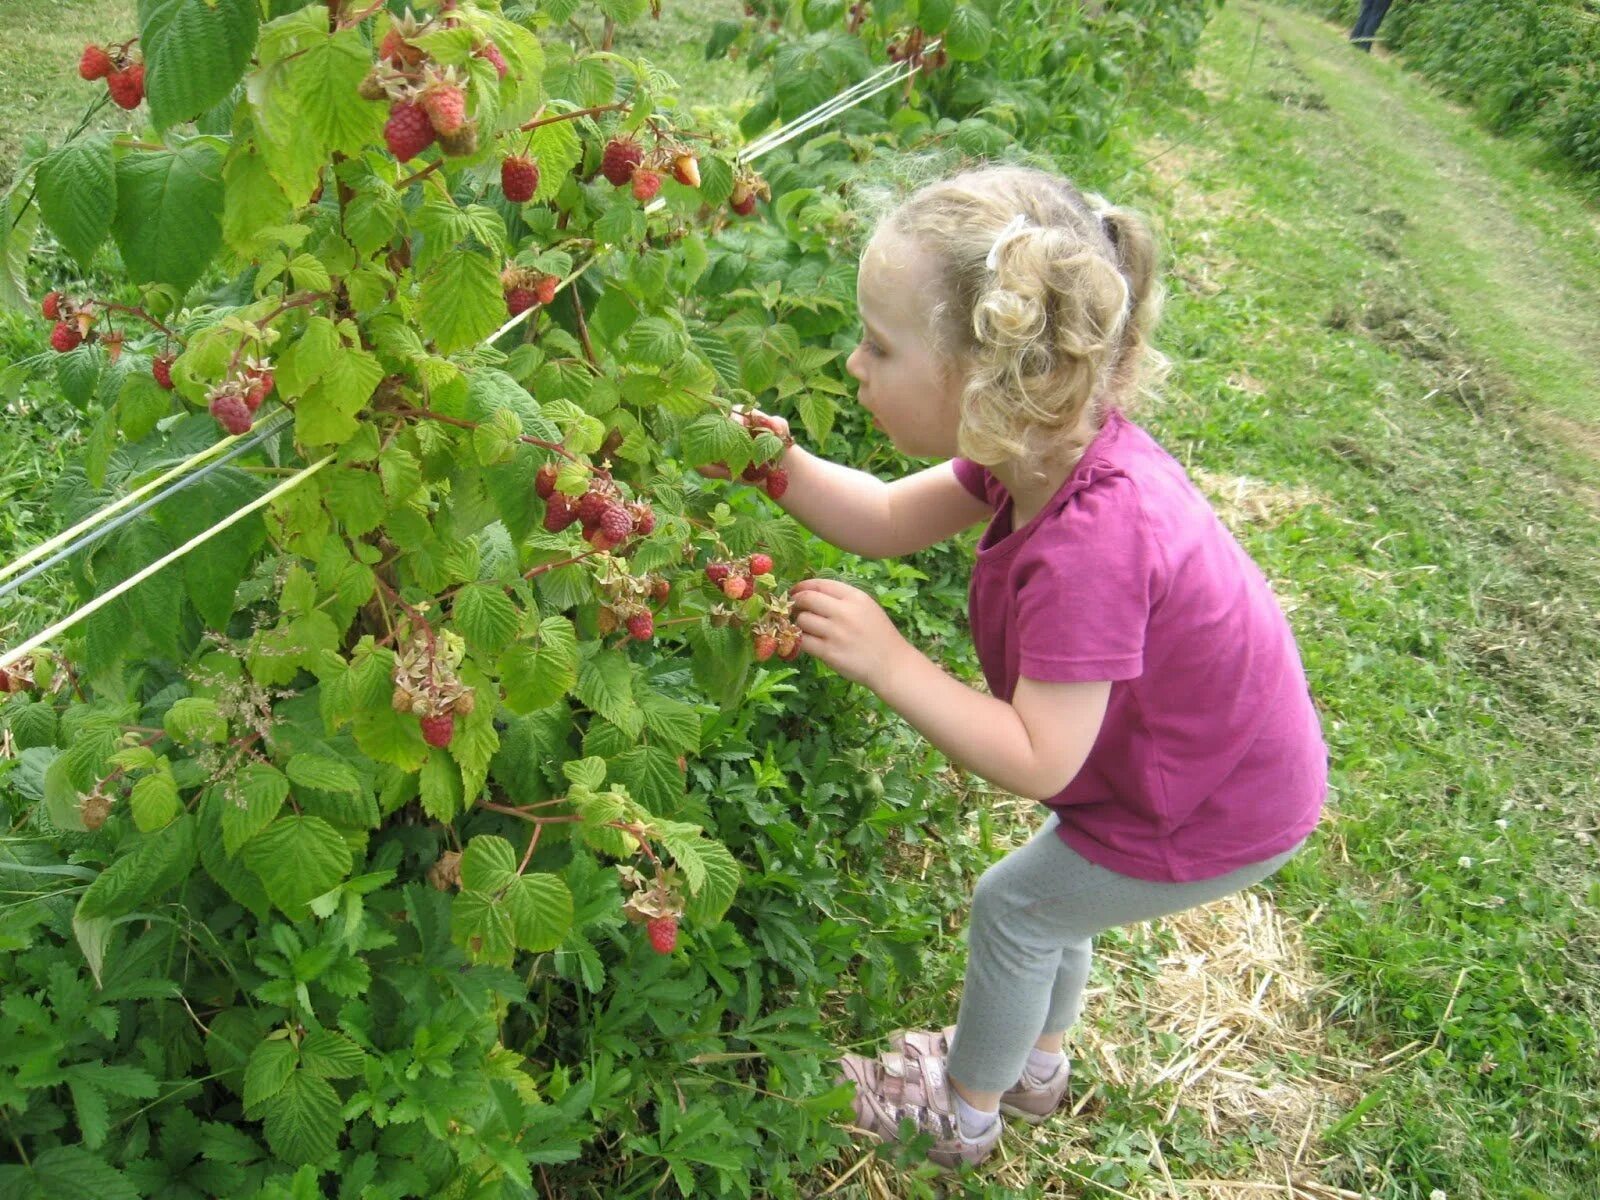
(750, 418)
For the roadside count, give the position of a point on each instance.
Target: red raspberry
(446, 108)
(600, 539)
(51, 306)
(161, 368)
(559, 512)
(755, 472)
(663, 934)
(127, 86)
(95, 63)
(766, 646)
(591, 506)
(615, 522)
(717, 572)
(660, 590)
(644, 518)
(777, 483)
(492, 52)
(231, 412)
(65, 337)
(641, 627)
(408, 132)
(745, 206)
(686, 170)
(437, 730)
(621, 159)
(520, 300)
(646, 184)
(545, 290)
(737, 587)
(761, 564)
(259, 387)
(519, 178)
(544, 483)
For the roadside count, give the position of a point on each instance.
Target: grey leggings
(1034, 917)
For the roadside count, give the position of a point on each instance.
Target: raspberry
(559, 512)
(755, 472)
(615, 522)
(258, 388)
(777, 483)
(646, 183)
(127, 86)
(491, 52)
(641, 627)
(746, 206)
(395, 49)
(717, 572)
(95, 63)
(621, 158)
(660, 589)
(519, 178)
(605, 621)
(600, 539)
(737, 587)
(51, 306)
(686, 170)
(591, 506)
(438, 729)
(446, 107)
(761, 564)
(230, 410)
(766, 646)
(663, 934)
(788, 642)
(644, 518)
(520, 300)
(545, 290)
(462, 142)
(544, 483)
(161, 368)
(65, 337)
(408, 131)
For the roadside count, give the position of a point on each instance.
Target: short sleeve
(1085, 586)
(979, 481)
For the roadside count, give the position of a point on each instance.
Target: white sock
(1042, 1066)
(974, 1122)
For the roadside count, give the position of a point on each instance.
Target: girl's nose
(853, 363)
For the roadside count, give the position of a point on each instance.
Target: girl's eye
(872, 347)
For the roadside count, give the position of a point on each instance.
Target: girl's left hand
(846, 628)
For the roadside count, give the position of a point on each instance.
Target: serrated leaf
(271, 1063)
(331, 1055)
(303, 1123)
(141, 402)
(460, 301)
(488, 864)
(169, 208)
(440, 786)
(194, 53)
(297, 859)
(714, 438)
(968, 34)
(605, 684)
(327, 412)
(250, 804)
(78, 194)
(486, 617)
(673, 721)
(154, 801)
(539, 675)
(322, 773)
(719, 885)
(194, 720)
(157, 862)
(481, 926)
(541, 911)
(254, 201)
(72, 1173)
(322, 83)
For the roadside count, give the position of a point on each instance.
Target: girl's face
(913, 399)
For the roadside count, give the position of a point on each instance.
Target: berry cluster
(628, 600)
(607, 519)
(624, 162)
(234, 401)
(426, 685)
(427, 102)
(656, 904)
(74, 321)
(123, 74)
(525, 287)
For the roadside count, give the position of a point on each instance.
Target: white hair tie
(1015, 228)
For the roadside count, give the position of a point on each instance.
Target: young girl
(1143, 683)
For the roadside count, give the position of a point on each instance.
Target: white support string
(105, 598)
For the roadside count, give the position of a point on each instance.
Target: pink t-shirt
(1211, 756)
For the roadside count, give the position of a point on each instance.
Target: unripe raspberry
(644, 518)
(395, 49)
(788, 642)
(127, 86)
(464, 703)
(737, 587)
(660, 589)
(161, 368)
(663, 934)
(520, 300)
(230, 411)
(258, 387)
(686, 170)
(605, 621)
(761, 564)
(745, 206)
(766, 646)
(591, 506)
(601, 540)
(641, 627)
(51, 306)
(777, 483)
(438, 729)
(95, 63)
(446, 107)
(545, 289)
(646, 185)
(65, 337)
(621, 159)
(544, 483)
(371, 86)
(717, 572)
(461, 142)
(559, 513)
(408, 132)
(491, 52)
(519, 178)
(615, 522)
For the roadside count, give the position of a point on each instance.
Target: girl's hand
(750, 418)
(846, 628)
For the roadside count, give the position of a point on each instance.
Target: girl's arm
(1033, 747)
(863, 514)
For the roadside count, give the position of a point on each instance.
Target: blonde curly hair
(1057, 330)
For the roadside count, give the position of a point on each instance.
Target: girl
(1143, 683)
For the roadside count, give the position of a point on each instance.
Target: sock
(1042, 1067)
(974, 1122)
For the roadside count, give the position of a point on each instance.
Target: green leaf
(440, 786)
(486, 617)
(605, 684)
(331, 1055)
(714, 438)
(141, 402)
(461, 303)
(968, 34)
(78, 194)
(673, 721)
(158, 861)
(817, 412)
(541, 911)
(71, 1173)
(481, 925)
(323, 83)
(327, 412)
(194, 53)
(652, 777)
(322, 773)
(302, 363)
(169, 209)
(298, 859)
(303, 1123)
(154, 801)
(271, 1063)
(539, 675)
(251, 802)
(488, 864)
(194, 720)
(719, 885)
(254, 202)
